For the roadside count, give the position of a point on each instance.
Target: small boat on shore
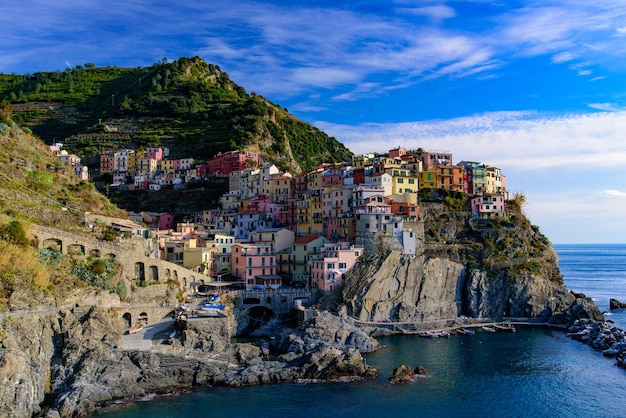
(426, 334)
(465, 331)
(489, 329)
(134, 329)
(504, 327)
(211, 309)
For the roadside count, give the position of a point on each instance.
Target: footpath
(142, 340)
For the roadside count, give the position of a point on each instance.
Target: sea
(534, 372)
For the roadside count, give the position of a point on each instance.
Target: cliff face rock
(408, 288)
(405, 288)
(25, 349)
(71, 361)
(481, 269)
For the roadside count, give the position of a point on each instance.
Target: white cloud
(438, 12)
(563, 57)
(608, 107)
(614, 193)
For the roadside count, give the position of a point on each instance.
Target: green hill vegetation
(188, 106)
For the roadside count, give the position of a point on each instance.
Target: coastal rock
(73, 359)
(603, 336)
(327, 347)
(405, 374)
(416, 288)
(615, 304)
(582, 307)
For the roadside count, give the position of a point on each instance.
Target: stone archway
(128, 319)
(140, 272)
(76, 249)
(95, 253)
(53, 244)
(111, 256)
(257, 317)
(154, 273)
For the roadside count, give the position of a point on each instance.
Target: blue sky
(537, 88)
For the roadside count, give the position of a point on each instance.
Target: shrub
(13, 233)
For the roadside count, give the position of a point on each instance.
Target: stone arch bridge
(129, 253)
(253, 308)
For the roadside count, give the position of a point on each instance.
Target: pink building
(332, 176)
(330, 265)
(397, 152)
(232, 161)
(154, 153)
(255, 265)
(158, 220)
(488, 206)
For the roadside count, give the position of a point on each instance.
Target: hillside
(188, 106)
(36, 189)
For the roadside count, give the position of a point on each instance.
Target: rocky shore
(70, 364)
(601, 335)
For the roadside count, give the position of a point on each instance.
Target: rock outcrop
(479, 269)
(615, 304)
(405, 374)
(71, 361)
(603, 336)
(418, 288)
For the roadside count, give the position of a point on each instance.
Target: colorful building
(329, 266)
(255, 265)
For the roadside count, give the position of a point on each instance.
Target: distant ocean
(533, 372)
(598, 271)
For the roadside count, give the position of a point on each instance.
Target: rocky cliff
(465, 267)
(69, 363)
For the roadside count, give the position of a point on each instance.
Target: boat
(489, 329)
(504, 327)
(465, 331)
(219, 306)
(211, 309)
(134, 329)
(426, 334)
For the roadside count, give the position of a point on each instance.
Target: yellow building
(165, 166)
(403, 181)
(279, 188)
(428, 180)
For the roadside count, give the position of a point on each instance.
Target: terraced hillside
(188, 106)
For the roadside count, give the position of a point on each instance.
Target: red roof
(305, 239)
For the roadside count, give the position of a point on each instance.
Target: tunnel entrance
(257, 317)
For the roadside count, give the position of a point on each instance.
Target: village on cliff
(274, 228)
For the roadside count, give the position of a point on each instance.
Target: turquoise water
(533, 372)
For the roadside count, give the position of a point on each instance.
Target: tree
(6, 110)
(14, 233)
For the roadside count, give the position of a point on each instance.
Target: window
(342, 265)
(330, 265)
